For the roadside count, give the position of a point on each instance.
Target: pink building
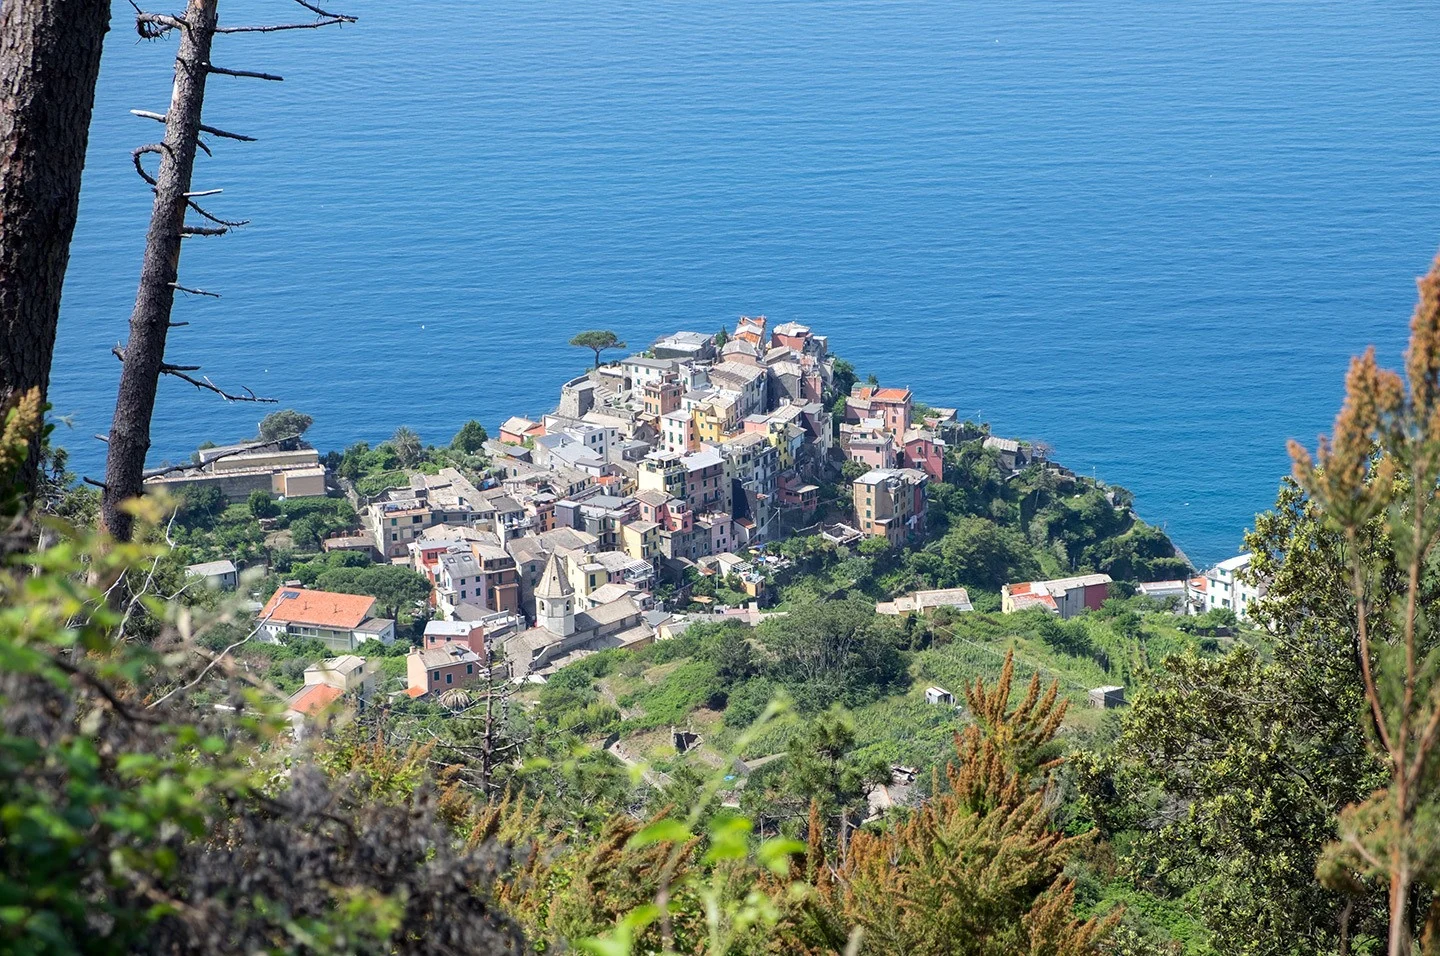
(796, 493)
(790, 335)
(872, 451)
(925, 452)
(436, 670)
(893, 405)
(469, 633)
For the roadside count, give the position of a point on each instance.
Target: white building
(1225, 589)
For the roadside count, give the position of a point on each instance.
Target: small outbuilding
(217, 574)
(936, 696)
(1105, 698)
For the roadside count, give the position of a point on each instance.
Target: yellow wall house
(640, 539)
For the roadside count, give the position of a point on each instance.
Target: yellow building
(640, 539)
(664, 473)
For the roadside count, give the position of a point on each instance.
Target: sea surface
(1150, 234)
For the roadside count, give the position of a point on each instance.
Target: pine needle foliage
(1378, 476)
(977, 870)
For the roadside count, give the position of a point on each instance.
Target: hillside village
(654, 495)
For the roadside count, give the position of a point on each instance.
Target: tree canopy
(597, 340)
(470, 438)
(286, 423)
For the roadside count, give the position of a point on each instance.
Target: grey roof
(571, 539)
(705, 458)
(211, 568)
(554, 583)
(736, 372)
(643, 362)
(1002, 444)
(526, 548)
(610, 592)
(604, 615)
(688, 338)
(447, 654)
(461, 563)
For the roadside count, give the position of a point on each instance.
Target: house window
(434, 675)
(469, 668)
(394, 521)
(449, 678)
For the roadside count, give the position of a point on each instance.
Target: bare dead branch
(216, 219)
(276, 27)
(212, 130)
(139, 166)
(325, 13)
(203, 192)
(212, 68)
(181, 372)
(152, 26)
(176, 325)
(91, 481)
(204, 384)
(203, 231)
(180, 288)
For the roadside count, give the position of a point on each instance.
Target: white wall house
(1225, 589)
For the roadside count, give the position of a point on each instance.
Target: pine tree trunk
(49, 61)
(144, 353)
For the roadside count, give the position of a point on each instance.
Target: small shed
(217, 574)
(1104, 698)
(936, 696)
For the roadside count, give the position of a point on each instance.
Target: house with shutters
(342, 621)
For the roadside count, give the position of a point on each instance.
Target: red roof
(890, 395)
(313, 698)
(317, 608)
(415, 691)
(1029, 600)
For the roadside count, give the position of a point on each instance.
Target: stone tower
(555, 599)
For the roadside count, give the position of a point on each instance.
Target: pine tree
(976, 871)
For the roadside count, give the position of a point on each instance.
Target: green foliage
(261, 504)
(843, 378)
(682, 690)
(198, 506)
(821, 767)
(397, 590)
(134, 817)
(286, 423)
(975, 553)
(407, 446)
(835, 652)
(597, 340)
(470, 439)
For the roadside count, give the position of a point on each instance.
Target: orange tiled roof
(314, 697)
(1024, 600)
(415, 691)
(317, 608)
(890, 395)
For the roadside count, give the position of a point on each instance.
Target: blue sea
(1150, 234)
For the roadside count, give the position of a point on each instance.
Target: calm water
(1150, 234)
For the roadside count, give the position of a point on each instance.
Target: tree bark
(49, 62)
(144, 353)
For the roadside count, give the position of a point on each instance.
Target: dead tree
(49, 60)
(142, 357)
